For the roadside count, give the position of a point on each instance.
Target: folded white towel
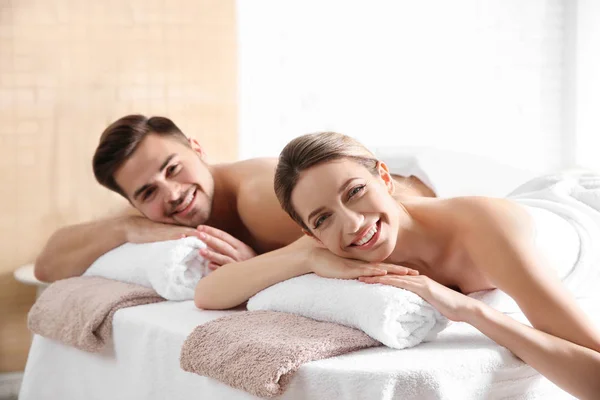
(172, 268)
(396, 317)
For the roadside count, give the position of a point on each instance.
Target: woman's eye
(319, 221)
(355, 190)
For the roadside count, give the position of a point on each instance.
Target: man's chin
(192, 221)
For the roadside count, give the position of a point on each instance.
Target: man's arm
(72, 249)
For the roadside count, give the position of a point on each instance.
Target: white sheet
(144, 364)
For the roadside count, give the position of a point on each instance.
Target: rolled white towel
(172, 267)
(396, 317)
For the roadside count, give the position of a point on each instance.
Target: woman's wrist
(473, 311)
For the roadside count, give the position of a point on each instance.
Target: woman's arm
(501, 244)
(574, 368)
(232, 284)
(563, 344)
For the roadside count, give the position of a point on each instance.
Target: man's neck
(412, 186)
(224, 214)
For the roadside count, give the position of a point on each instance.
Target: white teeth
(370, 233)
(186, 203)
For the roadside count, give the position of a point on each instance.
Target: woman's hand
(453, 305)
(328, 265)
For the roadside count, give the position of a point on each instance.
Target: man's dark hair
(120, 140)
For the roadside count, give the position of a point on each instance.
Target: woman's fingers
(376, 272)
(398, 269)
(408, 282)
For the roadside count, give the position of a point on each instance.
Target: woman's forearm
(574, 368)
(233, 284)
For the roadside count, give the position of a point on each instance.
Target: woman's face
(350, 211)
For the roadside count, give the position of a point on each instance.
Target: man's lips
(186, 204)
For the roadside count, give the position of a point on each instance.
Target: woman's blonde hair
(310, 150)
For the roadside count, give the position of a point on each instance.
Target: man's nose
(172, 192)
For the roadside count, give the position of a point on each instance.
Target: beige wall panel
(67, 69)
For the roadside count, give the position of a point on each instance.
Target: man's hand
(328, 265)
(222, 247)
(142, 230)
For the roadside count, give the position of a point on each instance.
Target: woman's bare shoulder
(475, 213)
(503, 217)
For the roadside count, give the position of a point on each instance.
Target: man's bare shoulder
(258, 206)
(251, 169)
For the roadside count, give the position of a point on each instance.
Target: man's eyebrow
(147, 185)
(340, 191)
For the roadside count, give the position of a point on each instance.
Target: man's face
(168, 182)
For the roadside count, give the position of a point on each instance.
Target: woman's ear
(196, 147)
(386, 176)
(316, 239)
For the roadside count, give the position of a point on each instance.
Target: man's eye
(319, 221)
(147, 194)
(172, 169)
(355, 190)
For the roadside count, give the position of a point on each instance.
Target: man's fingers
(186, 232)
(216, 257)
(219, 234)
(217, 244)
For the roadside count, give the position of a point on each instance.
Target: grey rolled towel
(259, 351)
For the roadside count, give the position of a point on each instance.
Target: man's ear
(196, 147)
(386, 176)
(316, 239)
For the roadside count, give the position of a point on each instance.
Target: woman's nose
(354, 221)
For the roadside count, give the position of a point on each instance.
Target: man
(231, 207)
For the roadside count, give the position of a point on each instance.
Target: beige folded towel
(259, 351)
(79, 311)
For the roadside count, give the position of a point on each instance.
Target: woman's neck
(420, 244)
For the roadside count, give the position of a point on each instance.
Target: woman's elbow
(207, 303)
(206, 300)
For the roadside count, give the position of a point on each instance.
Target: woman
(346, 200)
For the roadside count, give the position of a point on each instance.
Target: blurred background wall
(515, 80)
(67, 69)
